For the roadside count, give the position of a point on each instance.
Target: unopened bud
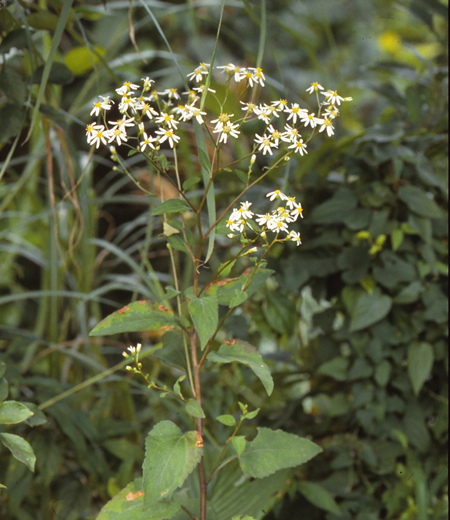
(252, 160)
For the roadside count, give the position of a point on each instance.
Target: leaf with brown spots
(137, 317)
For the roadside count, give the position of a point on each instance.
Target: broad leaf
(12, 412)
(227, 292)
(81, 59)
(136, 317)
(170, 456)
(319, 496)
(243, 352)
(420, 363)
(369, 309)
(129, 505)
(172, 206)
(204, 312)
(418, 202)
(227, 420)
(273, 450)
(194, 409)
(20, 449)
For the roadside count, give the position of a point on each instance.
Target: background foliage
(353, 324)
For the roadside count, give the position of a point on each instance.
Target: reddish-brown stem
(198, 397)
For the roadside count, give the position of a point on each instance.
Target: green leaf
(239, 443)
(273, 450)
(43, 20)
(13, 412)
(81, 59)
(59, 74)
(369, 309)
(170, 456)
(2, 368)
(204, 312)
(172, 206)
(226, 293)
(319, 496)
(194, 409)
(420, 363)
(20, 449)
(4, 389)
(136, 317)
(192, 181)
(205, 163)
(129, 505)
(335, 210)
(418, 202)
(242, 352)
(335, 368)
(16, 38)
(12, 84)
(227, 420)
(37, 418)
(11, 116)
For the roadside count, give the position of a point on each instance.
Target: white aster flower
(167, 135)
(97, 135)
(168, 120)
(105, 103)
(328, 125)
(295, 237)
(275, 134)
(298, 147)
(281, 104)
(221, 120)
(276, 225)
(232, 70)
(315, 87)
(192, 96)
(265, 143)
(199, 72)
(116, 134)
(333, 97)
(183, 112)
(251, 77)
(227, 129)
(171, 93)
(331, 112)
(148, 110)
(123, 123)
(90, 130)
(258, 73)
(291, 134)
(126, 87)
(197, 113)
(294, 112)
(263, 219)
(244, 210)
(297, 211)
(277, 194)
(147, 141)
(201, 88)
(127, 102)
(248, 107)
(310, 119)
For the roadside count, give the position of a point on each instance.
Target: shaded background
(353, 324)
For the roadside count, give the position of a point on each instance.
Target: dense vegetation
(353, 323)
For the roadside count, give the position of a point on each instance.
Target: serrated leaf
(242, 352)
(227, 420)
(81, 59)
(129, 505)
(20, 449)
(369, 309)
(13, 412)
(273, 450)
(319, 496)
(194, 409)
(172, 206)
(136, 317)
(420, 363)
(170, 456)
(204, 312)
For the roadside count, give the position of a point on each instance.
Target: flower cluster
(140, 105)
(275, 221)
